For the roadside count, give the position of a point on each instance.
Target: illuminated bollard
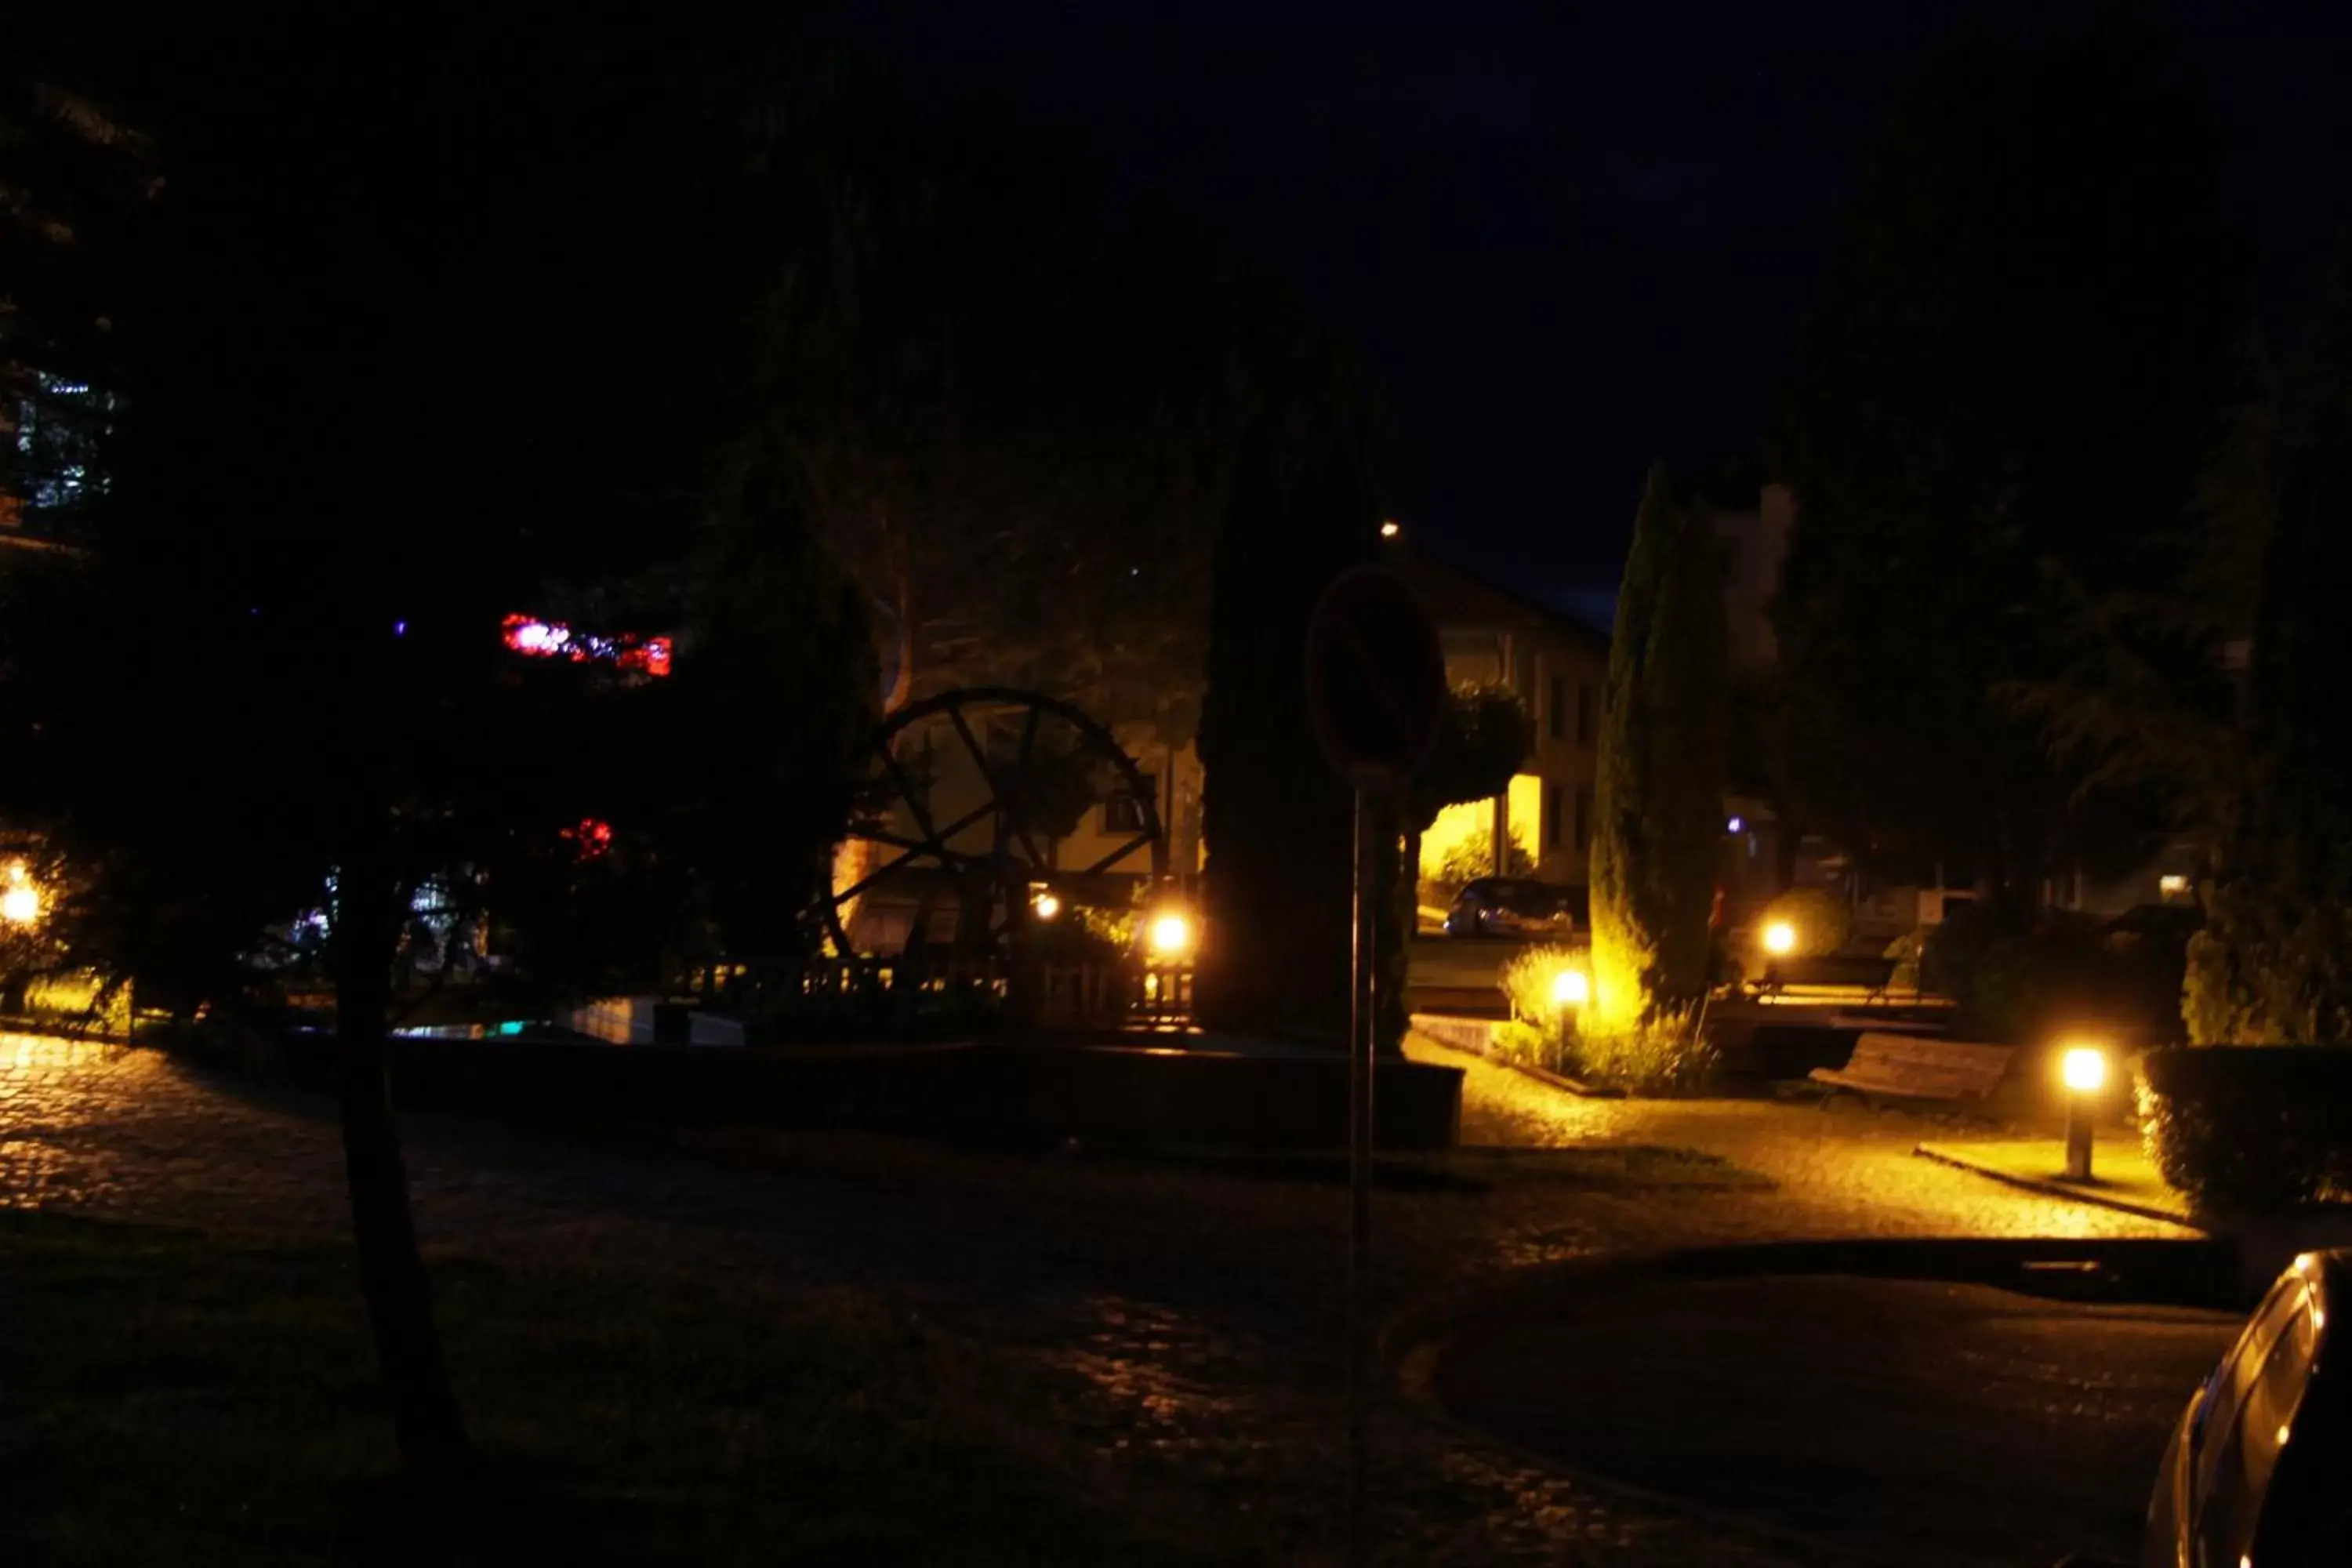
(2084, 1070)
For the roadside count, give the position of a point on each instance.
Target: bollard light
(2083, 1070)
(1779, 939)
(1571, 988)
(1046, 905)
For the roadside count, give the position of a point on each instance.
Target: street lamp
(1779, 939)
(20, 904)
(2084, 1069)
(1171, 935)
(1046, 905)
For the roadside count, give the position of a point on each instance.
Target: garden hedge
(2250, 1127)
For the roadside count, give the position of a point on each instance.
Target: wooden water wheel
(971, 796)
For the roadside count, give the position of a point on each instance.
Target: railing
(1107, 994)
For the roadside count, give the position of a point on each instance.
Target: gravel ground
(1170, 1328)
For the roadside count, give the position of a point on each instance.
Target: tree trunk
(399, 1302)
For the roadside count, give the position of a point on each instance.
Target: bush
(1663, 1055)
(1656, 1056)
(2250, 1127)
(2023, 984)
(1527, 1045)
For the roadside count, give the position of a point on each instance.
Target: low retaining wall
(1105, 1095)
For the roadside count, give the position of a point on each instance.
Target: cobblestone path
(1174, 1326)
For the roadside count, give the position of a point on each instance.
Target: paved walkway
(1172, 1327)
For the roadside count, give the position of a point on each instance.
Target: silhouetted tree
(1277, 818)
(2004, 393)
(1009, 402)
(387, 372)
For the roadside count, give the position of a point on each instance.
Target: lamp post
(2084, 1071)
(20, 898)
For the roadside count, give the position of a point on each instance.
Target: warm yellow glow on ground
(2085, 1068)
(1780, 938)
(1171, 935)
(1571, 988)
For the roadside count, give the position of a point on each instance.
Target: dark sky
(1565, 240)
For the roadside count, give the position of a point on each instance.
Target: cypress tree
(1277, 819)
(1659, 794)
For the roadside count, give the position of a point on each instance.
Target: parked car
(2256, 1471)
(1513, 906)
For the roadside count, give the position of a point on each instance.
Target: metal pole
(1363, 1031)
(2078, 1136)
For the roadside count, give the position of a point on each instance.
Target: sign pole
(1376, 693)
(1364, 1030)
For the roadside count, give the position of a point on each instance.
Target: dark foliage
(1011, 398)
(1663, 742)
(2261, 1128)
(383, 370)
(2006, 388)
(2027, 981)
(2275, 958)
(1275, 816)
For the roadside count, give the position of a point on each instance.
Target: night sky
(1566, 240)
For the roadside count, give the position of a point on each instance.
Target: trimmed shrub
(2250, 1127)
(1663, 1055)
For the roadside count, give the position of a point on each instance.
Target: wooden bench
(1910, 1067)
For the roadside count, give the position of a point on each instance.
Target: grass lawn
(2120, 1167)
(169, 1400)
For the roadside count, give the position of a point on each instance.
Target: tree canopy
(1010, 395)
(2005, 391)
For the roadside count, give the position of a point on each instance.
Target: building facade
(1559, 667)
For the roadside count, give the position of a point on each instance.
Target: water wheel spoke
(896, 840)
(916, 802)
(1004, 798)
(1121, 853)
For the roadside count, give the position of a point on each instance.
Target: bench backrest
(1972, 1069)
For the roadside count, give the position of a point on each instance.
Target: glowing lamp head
(20, 905)
(1171, 935)
(1046, 905)
(1571, 988)
(2084, 1068)
(1734, 824)
(1389, 529)
(1779, 939)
